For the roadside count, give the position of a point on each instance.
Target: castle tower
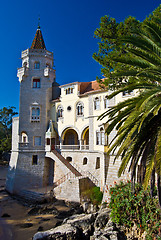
(36, 77)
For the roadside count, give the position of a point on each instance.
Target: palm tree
(138, 120)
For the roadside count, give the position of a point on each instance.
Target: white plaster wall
(15, 136)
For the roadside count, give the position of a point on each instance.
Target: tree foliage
(138, 119)
(6, 115)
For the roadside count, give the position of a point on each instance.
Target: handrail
(72, 147)
(76, 171)
(86, 174)
(66, 163)
(63, 179)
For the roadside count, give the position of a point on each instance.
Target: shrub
(94, 195)
(138, 207)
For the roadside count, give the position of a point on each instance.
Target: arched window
(84, 161)
(35, 114)
(36, 65)
(69, 90)
(60, 111)
(24, 137)
(97, 103)
(100, 137)
(79, 109)
(106, 102)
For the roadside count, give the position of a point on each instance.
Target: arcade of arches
(70, 137)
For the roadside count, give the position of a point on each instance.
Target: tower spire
(38, 27)
(38, 42)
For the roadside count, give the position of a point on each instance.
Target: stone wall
(72, 188)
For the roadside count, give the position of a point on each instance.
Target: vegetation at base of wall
(94, 195)
(140, 208)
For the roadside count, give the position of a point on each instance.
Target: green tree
(109, 34)
(137, 120)
(6, 115)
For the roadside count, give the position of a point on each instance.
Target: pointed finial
(38, 22)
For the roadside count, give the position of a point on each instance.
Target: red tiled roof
(38, 42)
(89, 87)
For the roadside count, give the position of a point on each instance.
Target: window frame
(60, 111)
(97, 103)
(37, 65)
(24, 137)
(80, 109)
(106, 102)
(69, 90)
(36, 83)
(85, 161)
(98, 160)
(35, 117)
(100, 137)
(37, 141)
(35, 161)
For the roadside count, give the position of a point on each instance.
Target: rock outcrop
(92, 226)
(65, 231)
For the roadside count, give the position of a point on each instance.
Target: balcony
(85, 147)
(23, 145)
(35, 118)
(71, 147)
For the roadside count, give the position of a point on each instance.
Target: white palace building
(57, 140)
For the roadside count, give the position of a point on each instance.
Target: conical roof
(38, 42)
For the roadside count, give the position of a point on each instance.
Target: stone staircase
(67, 164)
(86, 174)
(70, 175)
(74, 181)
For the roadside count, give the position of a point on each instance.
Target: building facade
(57, 140)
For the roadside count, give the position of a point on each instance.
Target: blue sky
(68, 28)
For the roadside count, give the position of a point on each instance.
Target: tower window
(24, 137)
(37, 141)
(37, 65)
(34, 159)
(35, 114)
(36, 83)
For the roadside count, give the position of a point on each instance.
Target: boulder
(63, 232)
(84, 222)
(102, 218)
